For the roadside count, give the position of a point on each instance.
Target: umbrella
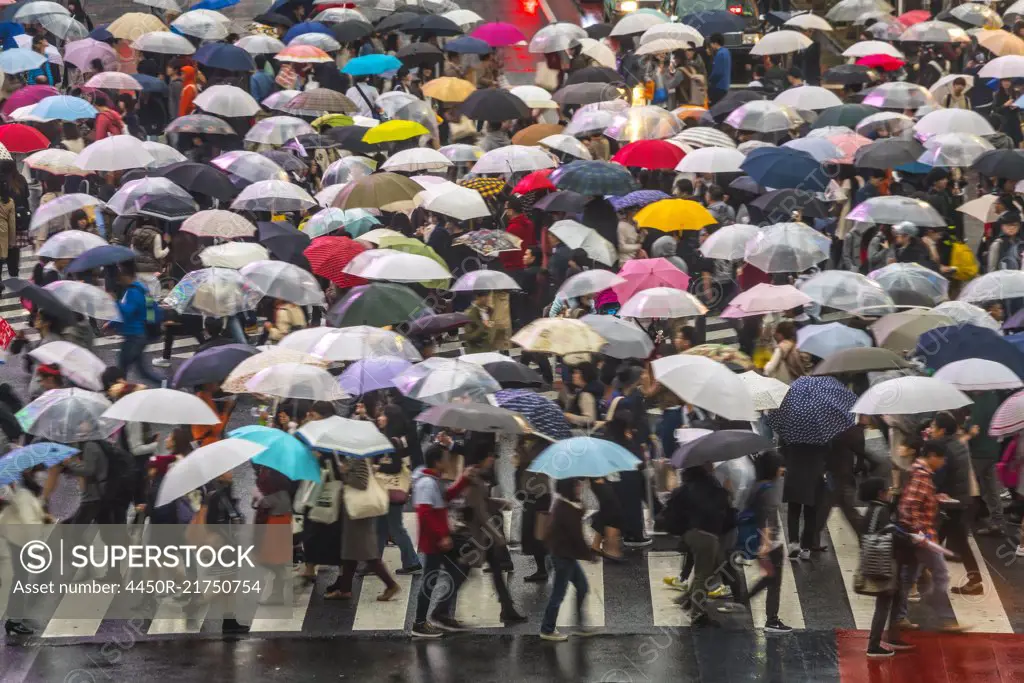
(433, 324)
(768, 393)
(18, 138)
(954, 149)
(81, 53)
(89, 300)
(662, 302)
(763, 116)
(485, 281)
(641, 274)
(199, 179)
(69, 244)
(625, 339)
(860, 359)
(442, 380)
(202, 124)
(944, 345)
(354, 221)
(370, 374)
(780, 204)
(275, 196)
(787, 248)
(781, 42)
(328, 257)
(552, 38)
(893, 209)
(385, 191)
(40, 298)
(418, 159)
(643, 123)
(559, 336)
(1001, 163)
(785, 167)
(844, 115)
(278, 130)
(935, 32)
(763, 298)
(594, 178)
(963, 312)
(578, 236)
(161, 42)
(56, 209)
(583, 456)
(396, 266)
(131, 25)
(593, 74)
(979, 374)
(304, 54)
(15, 462)
(114, 153)
(826, 340)
(296, 380)
(211, 365)
(807, 97)
(17, 60)
(26, 97)
(512, 375)
(348, 169)
(1000, 43)
(910, 396)
(225, 58)
(543, 415)
(815, 411)
(431, 25)
(1000, 284)
(499, 34)
(899, 95)
(227, 100)
(204, 465)
(900, 331)
(68, 416)
(714, 21)
(97, 257)
(249, 166)
(77, 364)
(352, 438)
(590, 282)
(319, 101)
(163, 155)
(202, 23)
(232, 255)
(728, 242)
(850, 74)
(952, 121)
(216, 292)
(260, 44)
(488, 243)
(888, 121)
(569, 202)
(719, 446)
(218, 223)
(477, 417)
(349, 343)
(282, 452)
(494, 105)
(284, 281)
(912, 278)
(377, 304)
(371, 65)
(514, 159)
(448, 89)
(706, 384)
(162, 406)
(287, 244)
(64, 108)
(651, 154)
(712, 160)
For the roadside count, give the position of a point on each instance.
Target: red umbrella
(654, 154)
(538, 180)
(23, 97)
(329, 255)
(883, 62)
(22, 139)
(914, 16)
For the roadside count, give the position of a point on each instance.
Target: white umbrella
(712, 160)
(898, 95)
(555, 38)
(396, 266)
(811, 21)
(58, 208)
(321, 40)
(463, 17)
(952, 121)
(893, 122)
(810, 97)
(376, 235)
(276, 196)
(260, 44)
(780, 43)
(349, 343)
(338, 15)
(514, 159)
(203, 23)
(284, 281)
(461, 153)
(979, 374)
(228, 101)
(444, 380)
(130, 195)
(663, 303)
(909, 396)
(89, 300)
(460, 203)
(729, 242)
(163, 155)
(359, 438)
(219, 224)
(787, 248)
(706, 384)
(164, 43)
(963, 312)
(578, 236)
(891, 209)
(999, 284)
(598, 51)
(764, 116)
(560, 336)
(250, 166)
(233, 255)
(935, 32)
(637, 22)
(296, 380)
(65, 28)
(485, 281)
(567, 144)
(70, 244)
(703, 136)
(78, 364)
(204, 465)
(683, 32)
(162, 406)
(866, 48)
(277, 130)
(417, 159)
(534, 97)
(661, 45)
(32, 11)
(114, 153)
(983, 208)
(589, 282)
(327, 195)
(1008, 66)
(954, 149)
(767, 392)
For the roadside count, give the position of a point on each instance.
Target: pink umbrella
(81, 53)
(764, 298)
(646, 273)
(498, 34)
(28, 95)
(848, 144)
(113, 80)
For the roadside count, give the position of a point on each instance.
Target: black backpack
(120, 482)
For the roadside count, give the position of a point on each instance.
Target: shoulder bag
(875, 573)
(369, 502)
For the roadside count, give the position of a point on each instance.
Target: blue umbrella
(211, 365)
(215, 5)
(226, 57)
(1017, 340)
(815, 411)
(284, 453)
(784, 167)
(544, 416)
(9, 29)
(151, 83)
(715, 21)
(19, 59)
(945, 345)
(97, 257)
(370, 374)
(594, 178)
(43, 453)
(64, 108)
(824, 340)
(583, 456)
(638, 198)
(371, 65)
(467, 45)
(304, 28)
(101, 33)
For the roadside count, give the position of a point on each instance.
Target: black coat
(805, 471)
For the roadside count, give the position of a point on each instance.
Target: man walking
(137, 309)
(721, 69)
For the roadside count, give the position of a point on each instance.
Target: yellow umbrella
(1000, 42)
(332, 121)
(670, 215)
(394, 131)
(131, 25)
(448, 89)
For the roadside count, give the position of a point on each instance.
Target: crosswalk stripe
(666, 611)
(269, 619)
(476, 602)
(170, 618)
(984, 613)
(847, 551)
(372, 615)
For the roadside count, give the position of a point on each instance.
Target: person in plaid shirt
(918, 512)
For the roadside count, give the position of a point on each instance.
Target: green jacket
(983, 446)
(477, 336)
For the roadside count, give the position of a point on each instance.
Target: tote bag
(369, 502)
(875, 572)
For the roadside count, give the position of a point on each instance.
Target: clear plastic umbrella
(578, 236)
(78, 364)
(787, 248)
(164, 43)
(278, 130)
(590, 282)
(781, 42)
(847, 291)
(534, 97)
(114, 153)
(203, 23)
(350, 343)
(897, 278)
(952, 121)
(228, 101)
(205, 464)
(586, 122)
(249, 166)
(33, 11)
(65, 28)
(764, 116)
(810, 97)
(396, 266)
(68, 416)
(133, 194)
(643, 123)
(663, 303)
(296, 380)
(729, 243)
(89, 300)
(163, 406)
(954, 149)
(347, 169)
(69, 244)
(355, 221)
(213, 291)
(327, 195)
(514, 159)
(999, 284)
(260, 44)
(163, 155)
(963, 312)
(56, 161)
(555, 38)
(405, 107)
(417, 159)
(61, 207)
(567, 144)
(899, 95)
(218, 223)
(321, 40)
(683, 32)
(892, 122)
(235, 381)
(935, 32)
(284, 281)
(275, 196)
(233, 255)
(460, 203)
(444, 380)
(893, 209)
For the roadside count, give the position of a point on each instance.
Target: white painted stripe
(593, 606)
(170, 618)
(791, 611)
(64, 625)
(478, 603)
(666, 612)
(278, 618)
(372, 615)
(847, 549)
(983, 613)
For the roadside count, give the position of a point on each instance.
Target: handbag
(875, 573)
(397, 485)
(327, 506)
(369, 502)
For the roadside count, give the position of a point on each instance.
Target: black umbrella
(351, 138)
(431, 325)
(211, 365)
(97, 257)
(169, 208)
(1001, 163)
(599, 31)
(888, 153)
(586, 93)
(594, 74)
(419, 53)
(727, 444)
(394, 22)
(747, 184)
(198, 178)
(431, 25)
(273, 19)
(284, 241)
(563, 200)
(349, 31)
(42, 299)
(514, 375)
(494, 104)
(477, 417)
(377, 304)
(731, 101)
(785, 202)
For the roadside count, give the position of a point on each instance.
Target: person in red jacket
(108, 121)
(430, 497)
(520, 225)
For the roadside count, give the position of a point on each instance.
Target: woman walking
(535, 499)
(567, 547)
(273, 507)
(23, 512)
(396, 477)
(768, 469)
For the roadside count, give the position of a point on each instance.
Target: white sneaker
(805, 554)
(161, 363)
(1020, 551)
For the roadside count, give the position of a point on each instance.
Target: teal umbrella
(283, 453)
(583, 456)
(354, 221)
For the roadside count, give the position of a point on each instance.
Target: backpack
(120, 482)
(962, 258)
(154, 314)
(748, 536)
(1008, 467)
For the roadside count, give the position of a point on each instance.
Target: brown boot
(613, 543)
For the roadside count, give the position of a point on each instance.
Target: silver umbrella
(555, 38)
(894, 209)
(625, 338)
(763, 116)
(68, 416)
(851, 10)
(284, 281)
(911, 281)
(216, 292)
(954, 149)
(443, 380)
(899, 95)
(847, 291)
(935, 32)
(787, 248)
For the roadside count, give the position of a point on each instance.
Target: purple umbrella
(28, 95)
(498, 34)
(81, 53)
(371, 374)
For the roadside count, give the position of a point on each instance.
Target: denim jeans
(236, 330)
(132, 354)
(391, 525)
(567, 570)
(937, 596)
(441, 571)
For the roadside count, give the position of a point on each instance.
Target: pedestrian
(533, 489)
(720, 78)
(273, 507)
(394, 473)
(985, 454)
(803, 489)
(138, 311)
(479, 334)
(786, 363)
(21, 522)
(14, 187)
(772, 550)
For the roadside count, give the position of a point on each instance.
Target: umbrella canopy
(283, 452)
(371, 374)
(594, 178)
(899, 279)
(979, 374)
(68, 416)
(53, 211)
(350, 343)
(808, 97)
(719, 446)
(433, 324)
(385, 191)
(662, 303)
(353, 438)
(89, 300)
(781, 42)
(494, 105)
(218, 223)
(763, 116)
(278, 130)
(328, 256)
(514, 159)
(284, 281)
(963, 312)
(590, 282)
(1000, 284)
(641, 274)
(826, 340)
(785, 167)
(211, 365)
(578, 236)
(275, 196)
(378, 304)
(768, 393)
(941, 346)
(712, 160)
(227, 100)
(893, 209)
(544, 416)
(162, 406)
(707, 384)
(643, 123)
(77, 364)
(787, 248)
(15, 462)
(296, 380)
(204, 465)
(625, 338)
(900, 331)
(847, 291)
(499, 34)
(485, 281)
(442, 380)
(935, 32)
(764, 298)
(97, 257)
(729, 242)
(673, 215)
(910, 396)
(815, 411)
(552, 38)
(113, 153)
(162, 42)
(859, 359)
(899, 95)
(396, 266)
(202, 124)
(954, 149)
(583, 456)
(477, 417)
(69, 244)
(952, 121)
(559, 336)
(213, 291)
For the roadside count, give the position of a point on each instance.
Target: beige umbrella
(559, 336)
(982, 208)
(1000, 42)
(233, 255)
(385, 191)
(131, 25)
(235, 382)
(899, 332)
(218, 223)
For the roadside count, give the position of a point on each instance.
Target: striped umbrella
(1009, 417)
(544, 416)
(702, 136)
